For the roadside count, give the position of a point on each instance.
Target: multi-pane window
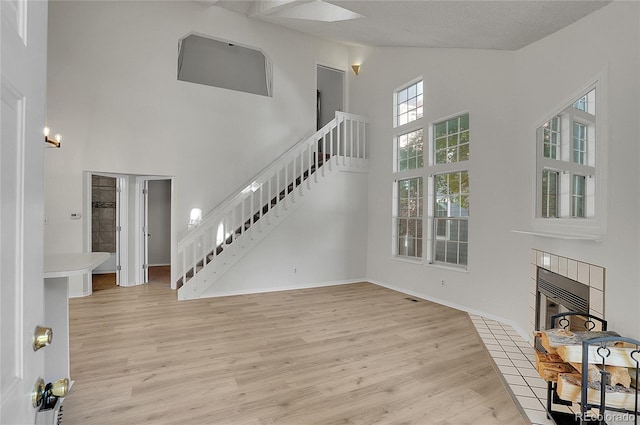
(410, 150)
(409, 217)
(430, 171)
(409, 104)
(549, 194)
(566, 165)
(451, 140)
(551, 142)
(577, 196)
(579, 143)
(451, 218)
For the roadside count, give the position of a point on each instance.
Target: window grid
(578, 196)
(410, 150)
(451, 213)
(409, 218)
(566, 154)
(549, 194)
(551, 141)
(409, 104)
(579, 143)
(451, 140)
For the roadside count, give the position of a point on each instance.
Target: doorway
(107, 228)
(329, 94)
(153, 224)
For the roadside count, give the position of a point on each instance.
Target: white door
(145, 231)
(119, 184)
(22, 118)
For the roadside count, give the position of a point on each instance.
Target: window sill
(564, 236)
(407, 259)
(442, 266)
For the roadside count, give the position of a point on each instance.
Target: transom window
(409, 104)
(410, 150)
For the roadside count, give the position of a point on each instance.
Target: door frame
(122, 220)
(345, 82)
(141, 222)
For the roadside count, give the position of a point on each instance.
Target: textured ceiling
(475, 24)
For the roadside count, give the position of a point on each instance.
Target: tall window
(566, 165)
(451, 218)
(450, 210)
(409, 217)
(409, 104)
(409, 158)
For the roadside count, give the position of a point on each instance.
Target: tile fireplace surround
(588, 274)
(514, 357)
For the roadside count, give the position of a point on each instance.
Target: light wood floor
(352, 354)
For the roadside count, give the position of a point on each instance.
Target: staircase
(235, 226)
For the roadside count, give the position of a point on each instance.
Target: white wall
(114, 96)
(322, 242)
(455, 81)
(603, 44)
(159, 222)
(507, 95)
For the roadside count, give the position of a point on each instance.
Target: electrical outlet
(295, 271)
(442, 282)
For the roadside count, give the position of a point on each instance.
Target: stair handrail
(239, 194)
(220, 212)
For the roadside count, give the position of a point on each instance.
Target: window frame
(413, 82)
(592, 226)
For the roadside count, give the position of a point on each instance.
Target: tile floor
(515, 358)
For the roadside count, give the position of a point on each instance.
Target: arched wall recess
(224, 64)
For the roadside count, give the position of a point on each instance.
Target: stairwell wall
(113, 94)
(322, 242)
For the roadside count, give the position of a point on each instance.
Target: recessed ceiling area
(474, 24)
(218, 63)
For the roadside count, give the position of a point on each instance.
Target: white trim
(122, 208)
(593, 228)
(394, 119)
(139, 273)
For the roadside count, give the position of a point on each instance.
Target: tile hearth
(515, 359)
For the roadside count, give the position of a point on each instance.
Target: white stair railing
(339, 144)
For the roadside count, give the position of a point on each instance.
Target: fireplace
(558, 294)
(561, 284)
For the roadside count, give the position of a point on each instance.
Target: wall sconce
(51, 143)
(195, 218)
(356, 69)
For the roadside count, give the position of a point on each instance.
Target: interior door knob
(42, 337)
(60, 388)
(38, 393)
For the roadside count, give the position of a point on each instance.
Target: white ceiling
(476, 24)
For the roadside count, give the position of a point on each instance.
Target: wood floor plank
(350, 354)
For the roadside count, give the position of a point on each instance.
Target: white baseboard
(284, 288)
(466, 309)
